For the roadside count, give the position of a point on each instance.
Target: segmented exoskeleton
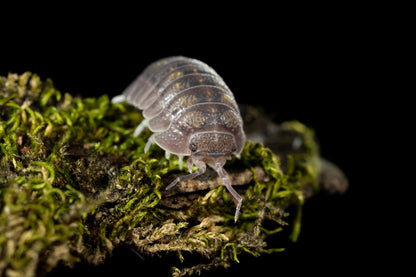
(192, 113)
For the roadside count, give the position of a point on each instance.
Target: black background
(321, 70)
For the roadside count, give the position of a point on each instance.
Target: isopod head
(212, 146)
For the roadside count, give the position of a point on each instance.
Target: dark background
(322, 71)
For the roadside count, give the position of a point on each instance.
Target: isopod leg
(149, 143)
(118, 99)
(224, 177)
(189, 164)
(201, 170)
(141, 127)
(167, 155)
(180, 162)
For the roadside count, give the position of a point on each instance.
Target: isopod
(191, 112)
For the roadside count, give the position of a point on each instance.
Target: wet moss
(75, 184)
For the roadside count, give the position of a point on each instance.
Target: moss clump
(75, 184)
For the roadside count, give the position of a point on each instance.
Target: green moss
(75, 184)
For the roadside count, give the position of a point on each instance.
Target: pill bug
(192, 113)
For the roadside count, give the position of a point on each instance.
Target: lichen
(75, 184)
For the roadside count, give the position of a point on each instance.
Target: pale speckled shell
(181, 97)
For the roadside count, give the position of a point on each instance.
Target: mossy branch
(75, 184)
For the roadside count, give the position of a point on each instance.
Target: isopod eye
(192, 147)
(234, 148)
